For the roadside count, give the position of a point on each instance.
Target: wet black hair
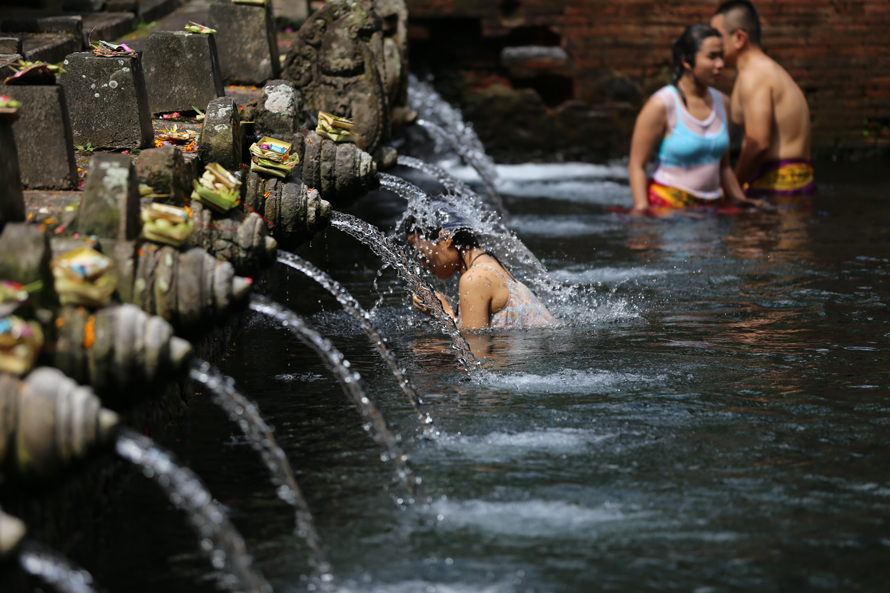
(685, 47)
(461, 238)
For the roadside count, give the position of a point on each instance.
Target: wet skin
(766, 103)
(652, 123)
(482, 290)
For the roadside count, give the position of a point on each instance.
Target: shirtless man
(768, 105)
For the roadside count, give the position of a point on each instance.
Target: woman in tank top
(488, 294)
(685, 124)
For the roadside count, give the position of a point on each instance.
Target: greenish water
(714, 418)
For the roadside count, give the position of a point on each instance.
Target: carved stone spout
(118, 350)
(295, 211)
(12, 531)
(239, 238)
(190, 289)
(342, 172)
(48, 421)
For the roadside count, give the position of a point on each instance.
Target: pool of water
(713, 418)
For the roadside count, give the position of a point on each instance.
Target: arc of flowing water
(218, 537)
(396, 257)
(349, 380)
(54, 569)
(451, 183)
(352, 306)
(469, 156)
(245, 414)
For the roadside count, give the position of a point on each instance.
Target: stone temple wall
(617, 51)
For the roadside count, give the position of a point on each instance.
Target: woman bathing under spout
(687, 123)
(489, 295)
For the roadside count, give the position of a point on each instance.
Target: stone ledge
(152, 10)
(49, 47)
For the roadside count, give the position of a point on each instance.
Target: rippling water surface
(714, 418)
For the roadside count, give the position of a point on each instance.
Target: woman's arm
(648, 132)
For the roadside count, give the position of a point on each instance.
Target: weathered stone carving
(239, 238)
(296, 212)
(188, 289)
(342, 172)
(48, 421)
(165, 171)
(117, 350)
(337, 63)
(278, 110)
(395, 50)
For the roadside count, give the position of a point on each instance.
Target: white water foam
(415, 586)
(567, 381)
(576, 182)
(560, 226)
(554, 441)
(527, 519)
(607, 275)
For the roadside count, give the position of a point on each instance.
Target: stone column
(110, 204)
(107, 101)
(12, 204)
(44, 137)
(247, 42)
(220, 140)
(181, 71)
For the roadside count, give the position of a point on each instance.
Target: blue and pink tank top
(690, 153)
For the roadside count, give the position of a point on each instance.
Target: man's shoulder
(760, 72)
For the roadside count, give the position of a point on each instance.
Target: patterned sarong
(789, 177)
(665, 196)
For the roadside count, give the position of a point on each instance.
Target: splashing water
(451, 183)
(410, 272)
(485, 223)
(489, 177)
(245, 414)
(350, 381)
(218, 537)
(430, 106)
(54, 570)
(352, 306)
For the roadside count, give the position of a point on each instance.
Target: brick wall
(837, 50)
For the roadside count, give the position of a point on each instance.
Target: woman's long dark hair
(685, 47)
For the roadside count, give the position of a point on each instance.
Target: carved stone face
(338, 64)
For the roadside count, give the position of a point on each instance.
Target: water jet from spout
(409, 271)
(217, 536)
(246, 415)
(54, 569)
(470, 157)
(352, 306)
(350, 381)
